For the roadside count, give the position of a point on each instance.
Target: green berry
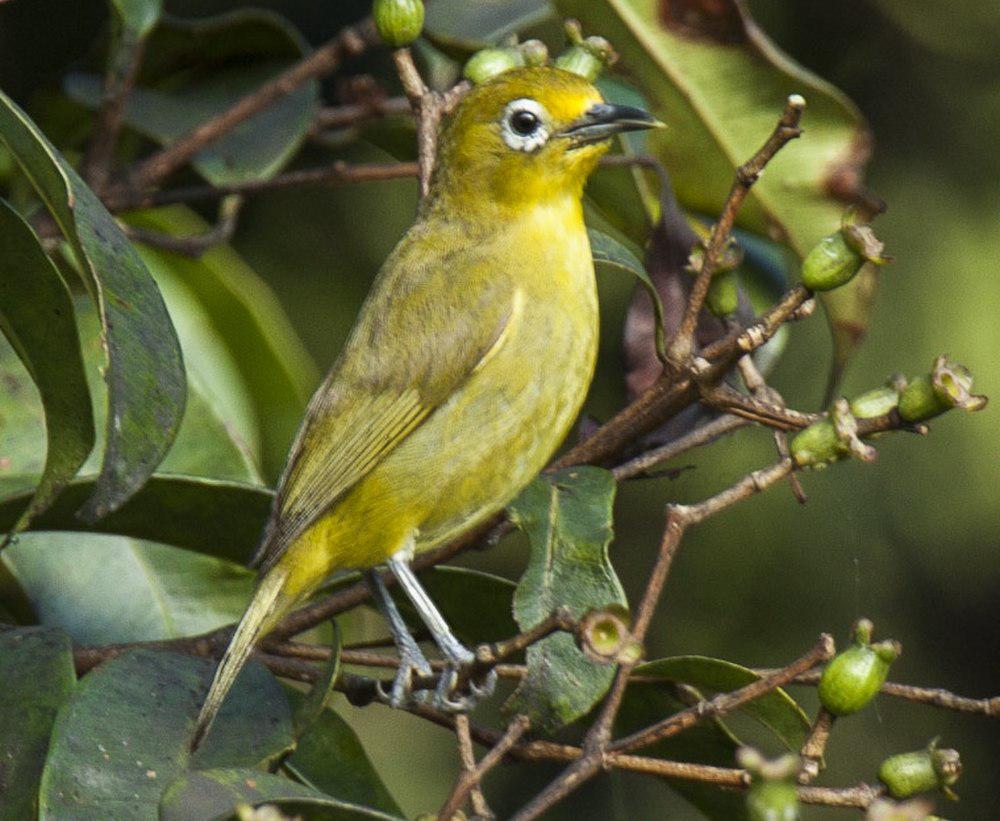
(723, 295)
(830, 264)
(399, 22)
(773, 801)
(874, 403)
(488, 63)
(907, 774)
(853, 678)
(587, 58)
(948, 386)
(817, 446)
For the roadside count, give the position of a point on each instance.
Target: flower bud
(772, 795)
(916, 809)
(854, 677)
(907, 774)
(534, 52)
(875, 403)
(830, 439)
(489, 62)
(399, 22)
(585, 57)
(837, 258)
(723, 295)
(948, 386)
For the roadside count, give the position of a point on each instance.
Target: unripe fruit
(723, 295)
(948, 386)
(488, 63)
(907, 774)
(399, 22)
(874, 403)
(853, 678)
(586, 58)
(773, 801)
(837, 258)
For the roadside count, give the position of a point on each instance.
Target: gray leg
(456, 655)
(411, 659)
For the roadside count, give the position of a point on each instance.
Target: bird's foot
(458, 676)
(401, 692)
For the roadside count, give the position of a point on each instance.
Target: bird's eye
(524, 122)
(523, 125)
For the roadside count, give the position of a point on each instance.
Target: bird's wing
(420, 336)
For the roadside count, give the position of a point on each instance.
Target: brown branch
(682, 444)
(726, 702)
(726, 398)
(682, 345)
(349, 42)
(119, 80)
(472, 787)
(355, 114)
(192, 245)
(814, 747)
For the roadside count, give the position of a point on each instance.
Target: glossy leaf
(220, 519)
(145, 372)
(123, 736)
(36, 316)
(109, 589)
(197, 69)
(567, 517)
(777, 710)
(247, 318)
(217, 793)
(36, 668)
(329, 757)
(719, 83)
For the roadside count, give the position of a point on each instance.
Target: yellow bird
(466, 368)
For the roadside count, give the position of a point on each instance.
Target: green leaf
(707, 742)
(110, 589)
(196, 69)
(458, 25)
(609, 252)
(220, 519)
(123, 736)
(719, 84)
(567, 517)
(248, 319)
(36, 668)
(36, 316)
(308, 708)
(145, 372)
(215, 794)
(777, 710)
(329, 757)
(137, 17)
(476, 605)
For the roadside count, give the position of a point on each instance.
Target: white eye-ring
(523, 125)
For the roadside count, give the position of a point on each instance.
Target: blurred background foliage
(912, 541)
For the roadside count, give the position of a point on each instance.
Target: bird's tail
(267, 605)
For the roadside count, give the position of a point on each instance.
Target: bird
(466, 368)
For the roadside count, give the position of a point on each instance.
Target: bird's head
(527, 135)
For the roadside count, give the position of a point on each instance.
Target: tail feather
(259, 616)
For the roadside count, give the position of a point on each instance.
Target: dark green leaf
(607, 251)
(776, 710)
(197, 69)
(308, 708)
(215, 794)
(711, 74)
(707, 742)
(123, 736)
(36, 316)
(221, 519)
(567, 517)
(36, 668)
(110, 589)
(137, 17)
(145, 372)
(248, 319)
(329, 757)
(465, 26)
(475, 604)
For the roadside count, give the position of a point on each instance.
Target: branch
(192, 245)
(354, 114)
(682, 444)
(787, 129)
(350, 42)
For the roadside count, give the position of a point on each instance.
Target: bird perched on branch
(466, 368)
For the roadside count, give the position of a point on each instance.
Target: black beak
(603, 121)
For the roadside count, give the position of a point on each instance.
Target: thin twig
(359, 113)
(192, 245)
(726, 702)
(682, 345)
(671, 450)
(349, 42)
(814, 747)
(474, 789)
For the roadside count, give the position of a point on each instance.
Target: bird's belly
(479, 449)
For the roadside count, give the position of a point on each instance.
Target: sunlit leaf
(711, 74)
(145, 372)
(124, 734)
(196, 69)
(36, 668)
(109, 589)
(567, 517)
(217, 793)
(776, 710)
(220, 519)
(36, 316)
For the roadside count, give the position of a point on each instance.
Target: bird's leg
(457, 656)
(411, 659)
